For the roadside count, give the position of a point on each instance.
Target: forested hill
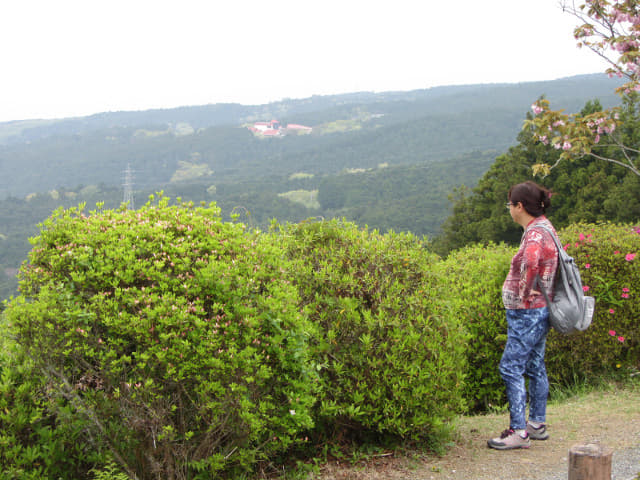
(360, 130)
(571, 91)
(387, 160)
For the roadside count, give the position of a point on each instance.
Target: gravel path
(611, 419)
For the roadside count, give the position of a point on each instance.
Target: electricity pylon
(128, 188)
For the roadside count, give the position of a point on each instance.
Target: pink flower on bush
(616, 252)
(586, 288)
(621, 339)
(581, 237)
(625, 295)
(612, 333)
(587, 265)
(611, 310)
(625, 289)
(630, 256)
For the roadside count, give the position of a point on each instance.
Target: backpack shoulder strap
(556, 240)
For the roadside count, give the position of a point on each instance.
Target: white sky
(62, 58)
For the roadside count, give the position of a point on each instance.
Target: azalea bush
(36, 444)
(609, 259)
(470, 289)
(165, 343)
(391, 363)
(172, 338)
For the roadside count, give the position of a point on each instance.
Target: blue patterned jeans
(524, 356)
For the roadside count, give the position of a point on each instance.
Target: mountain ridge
(218, 114)
(393, 167)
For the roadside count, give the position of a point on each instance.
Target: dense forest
(585, 190)
(390, 161)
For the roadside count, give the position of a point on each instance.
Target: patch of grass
(308, 198)
(340, 126)
(190, 171)
(300, 175)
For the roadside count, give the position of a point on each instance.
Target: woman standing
(533, 267)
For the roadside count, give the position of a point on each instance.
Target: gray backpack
(570, 311)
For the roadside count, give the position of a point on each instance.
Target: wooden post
(590, 461)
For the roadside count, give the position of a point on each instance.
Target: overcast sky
(62, 58)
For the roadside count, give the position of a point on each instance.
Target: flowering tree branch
(611, 29)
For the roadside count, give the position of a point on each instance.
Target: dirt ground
(610, 418)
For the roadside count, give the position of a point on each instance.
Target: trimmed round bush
(470, 290)
(175, 337)
(390, 364)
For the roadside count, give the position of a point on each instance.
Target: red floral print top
(537, 256)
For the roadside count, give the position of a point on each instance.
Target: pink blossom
(630, 256)
(621, 339)
(537, 109)
(611, 310)
(587, 265)
(586, 288)
(625, 295)
(581, 237)
(566, 146)
(612, 333)
(616, 252)
(625, 289)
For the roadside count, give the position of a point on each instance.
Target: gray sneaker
(508, 440)
(539, 433)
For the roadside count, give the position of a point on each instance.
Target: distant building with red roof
(274, 129)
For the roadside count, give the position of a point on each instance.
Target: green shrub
(469, 286)
(390, 365)
(471, 280)
(34, 442)
(109, 472)
(609, 259)
(180, 346)
(172, 336)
